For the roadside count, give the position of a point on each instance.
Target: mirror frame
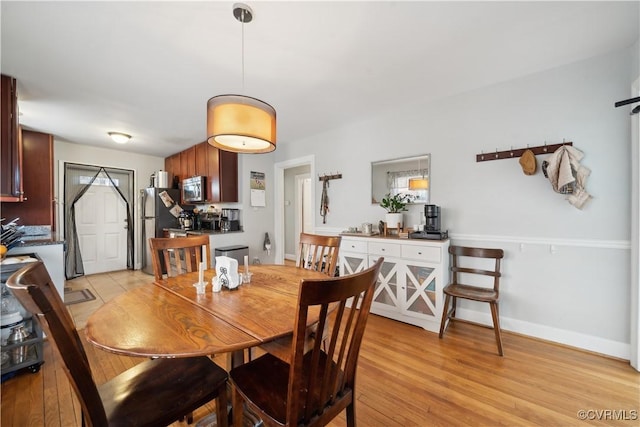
(403, 166)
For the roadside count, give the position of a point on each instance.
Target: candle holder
(201, 287)
(246, 277)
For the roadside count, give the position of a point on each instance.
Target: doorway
(101, 224)
(306, 166)
(98, 219)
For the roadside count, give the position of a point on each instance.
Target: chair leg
(496, 326)
(238, 410)
(351, 414)
(445, 315)
(221, 407)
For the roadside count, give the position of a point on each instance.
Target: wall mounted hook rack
(511, 154)
(326, 177)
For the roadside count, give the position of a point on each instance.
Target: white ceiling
(148, 68)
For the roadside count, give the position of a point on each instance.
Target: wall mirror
(408, 175)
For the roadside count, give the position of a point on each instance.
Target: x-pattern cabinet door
(419, 290)
(387, 287)
(351, 262)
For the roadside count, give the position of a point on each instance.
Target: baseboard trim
(604, 346)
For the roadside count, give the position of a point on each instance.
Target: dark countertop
(39, 242)
(202, 231)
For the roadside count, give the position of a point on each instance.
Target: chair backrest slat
(174, 256)
(34, 289)
(329, 374)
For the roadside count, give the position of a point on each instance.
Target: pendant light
(419, 183)
(239, 123)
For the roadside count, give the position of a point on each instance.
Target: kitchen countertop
(202, 231)
(39, 242)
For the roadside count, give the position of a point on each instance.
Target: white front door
(101, 222)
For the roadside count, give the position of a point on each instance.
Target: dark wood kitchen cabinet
(11, 189)
(220, 168)
(226, 168)
(188, 163)
(38, 205)
(172, 165)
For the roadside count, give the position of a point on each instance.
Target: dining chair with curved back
(315, 252)
(178, 255)
(152, 393)
(456, 289)
(319, 384)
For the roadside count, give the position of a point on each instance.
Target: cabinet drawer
(429, 254)
(387, 249)
(353, 246)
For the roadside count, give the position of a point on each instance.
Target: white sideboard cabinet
(410, 282)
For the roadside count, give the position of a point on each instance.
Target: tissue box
(227, 271)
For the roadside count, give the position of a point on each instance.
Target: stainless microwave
(194, 189)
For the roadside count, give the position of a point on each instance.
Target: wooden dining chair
(155, 392)
(456, 289)
(317, 385)
(319, 253)
(315, 252)
(174, 256)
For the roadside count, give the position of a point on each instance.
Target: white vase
(393, 219)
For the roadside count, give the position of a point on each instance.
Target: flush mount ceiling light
(119, 137)
(239, 123)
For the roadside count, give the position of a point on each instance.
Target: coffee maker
(432, 217)
(432, 225)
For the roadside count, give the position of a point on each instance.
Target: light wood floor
(406, 377)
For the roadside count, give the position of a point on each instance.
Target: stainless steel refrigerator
(156, 216)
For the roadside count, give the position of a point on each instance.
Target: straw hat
(528, 162)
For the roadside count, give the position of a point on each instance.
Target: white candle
(204, 256)
(201, 273)
(246, 263)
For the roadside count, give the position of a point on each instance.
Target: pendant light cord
(243, 51)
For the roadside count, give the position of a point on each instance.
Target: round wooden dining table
(168, 318)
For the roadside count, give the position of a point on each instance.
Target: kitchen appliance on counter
(230, 220)
(156, 215)
(194, 189)
(432, 227)
(210, 221)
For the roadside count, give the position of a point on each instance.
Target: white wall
(566, 271)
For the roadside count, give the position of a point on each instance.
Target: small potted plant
(395, 205)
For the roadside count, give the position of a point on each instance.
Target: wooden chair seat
(153, 393)
(472, 292)
(274, 377)
(156, 392)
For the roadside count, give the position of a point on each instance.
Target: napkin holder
(227, 272)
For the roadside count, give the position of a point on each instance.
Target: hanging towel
(567, 175)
